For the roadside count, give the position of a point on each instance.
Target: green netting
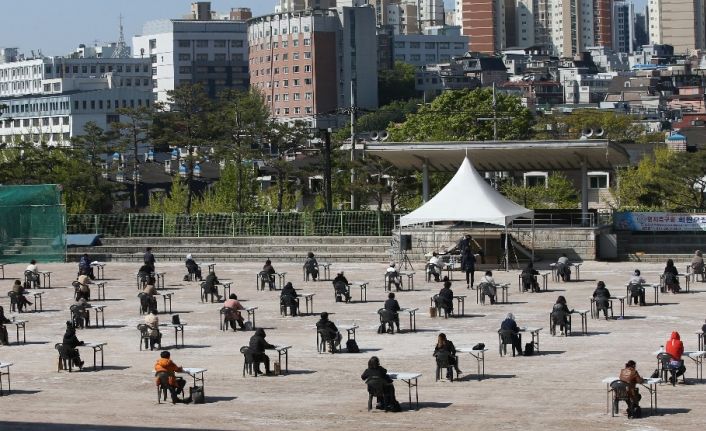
(32, 224)
(363, 223)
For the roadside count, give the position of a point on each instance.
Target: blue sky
(56, 27)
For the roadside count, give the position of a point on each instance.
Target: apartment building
(438, 45)
(309, 63)
(211, 52)
(50, 99)
(679, 23)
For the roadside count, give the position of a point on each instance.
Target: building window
(415, 57)
(399, 44)
(307, 68)
(184, 44)
(219, 43)
(295, 69)
(307, 96)
(598, 181)
(296, 96)
(295, 56)
(296, 83)
(414, 45)
(307, 42)
(202, 43)
(429, 45)
(183, 57)
(153, 43)
(219, 57)
(430, 57)
(295, 42)
(184, 69)
(307, 54)
(202, 57)
(307, 81)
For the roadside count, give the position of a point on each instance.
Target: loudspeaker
(406, 242)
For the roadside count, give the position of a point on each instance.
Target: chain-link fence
(352, 223)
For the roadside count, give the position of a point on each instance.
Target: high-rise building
(211, 52)
(309, 63)
(483, 21)
(201, 11)
(603, 23)
(623, 20)
(680, 23)
(641, 35)
(240, 14)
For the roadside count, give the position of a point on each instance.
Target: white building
(50, 99)
(440, 45)
(214, 53)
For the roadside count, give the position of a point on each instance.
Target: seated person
(152, 322)
(80, 313)
(602, 298)
(560, 315)
(232, 312)
(32, 273)
(269, 274)
(165, 371)
(69, 346)
(210, 285)
(311, 266)
(84, 291)
(675, 347)
(670, 276)
(386, 399)
(529, 278)
(192, 267)
(697, 263)
(146, 274)
(148, 301)
(637, 292)
(328, 330)
(446, 347)
(509, 324)
(393, 276)
(435, 266)
(148, 259)
(85, 268)
(393, 306)
(341, 277)
(19, 291)
(257, 348)
(562, 267)
(445, 298)
(631, 377)
(488, 287)
(3, 331)
(288, 298)
(341, 290)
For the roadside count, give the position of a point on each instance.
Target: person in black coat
(3, 331)
(468, 259)
(311, 266)
(529, 278)
(671, 279)
(288, 298)
(602, 297)
(269, 270)
(328, 329)
(210, 285)
(146, 274)
(192, 267)
(388, 389)
(69, 345)
(509, 324)
(447, 346)
(85, 268)
(445, 298)
(257, 348)
(560, 315)
(393, 306)
(149, 259)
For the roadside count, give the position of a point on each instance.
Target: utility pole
(495, 117)
(353, 108)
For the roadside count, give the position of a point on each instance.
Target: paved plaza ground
(560, 388)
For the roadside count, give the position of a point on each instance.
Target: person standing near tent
(468, 259)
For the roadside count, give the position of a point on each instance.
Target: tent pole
(532, 239)
(507, 255)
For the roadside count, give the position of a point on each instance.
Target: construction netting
(32, 224)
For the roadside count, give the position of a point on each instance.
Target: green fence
(363, 223)
(31, 224)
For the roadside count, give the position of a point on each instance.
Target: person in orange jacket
(164, 371)
(675, 347)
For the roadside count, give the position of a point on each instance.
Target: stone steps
(234, 257)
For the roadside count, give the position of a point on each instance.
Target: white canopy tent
(468, 197)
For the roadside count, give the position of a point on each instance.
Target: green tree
(241, 121)
(616, 126)
(397, 83)
(173, 202)
(132, 132)
(87, 183)
(184, 122)
(457, 116)
(284, 140)
(380, 119)
(558, 193)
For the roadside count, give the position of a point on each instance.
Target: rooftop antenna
(121, 49)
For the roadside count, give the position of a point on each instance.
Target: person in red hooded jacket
(675, 347)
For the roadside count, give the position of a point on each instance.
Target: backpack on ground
(187, 277)
(352, 346)
(395, 406)
(635, 412)
(529, 349)
(381, 328)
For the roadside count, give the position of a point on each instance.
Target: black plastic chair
(443, 361)
(487, 289)
(204, 294)
(341, 292)
(286, 302)
(387, 320)
(64, 362)
(324, 339)
(666, 368)
(14, 302)
(79, 317)
(263, 278)
(31, 279)
(505, 337)
(619, 390)
(441, 304)
(249, 364)
(376, 388)
(557, 318)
